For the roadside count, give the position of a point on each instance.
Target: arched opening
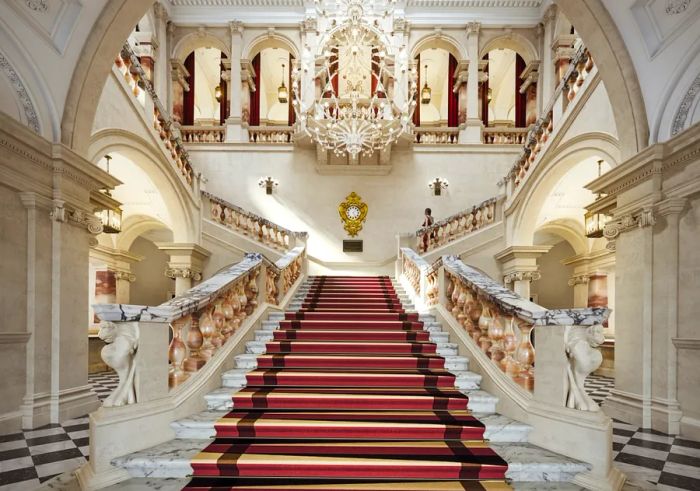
(205, 102)
(504, 99)
(438, 102)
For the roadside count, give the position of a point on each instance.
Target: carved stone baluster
(227, 308)
(177, 352)
(496, 332)
(485, 322)
(208, 330)
(219, 318)
(194, 361)
(474, 310)
(251, 292)
(525, 356)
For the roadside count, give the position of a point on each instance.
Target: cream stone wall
(552, 290)
(151, 286)
(306, 200)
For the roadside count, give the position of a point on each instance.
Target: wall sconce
(268, 183)
(437, 185)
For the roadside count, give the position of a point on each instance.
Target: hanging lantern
(489, 95)
(426, 94)
(595, 221)
(282, 92)
(109, 212)
(217, 93)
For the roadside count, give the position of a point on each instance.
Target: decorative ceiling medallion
(674, 7)
(353, 212)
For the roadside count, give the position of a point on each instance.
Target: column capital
(618, 225)
(579, 279)
(514, 276)
(236, 27)
(473, 28)
(187, 273)
(160, 12)
(550, 14)
(125, 276)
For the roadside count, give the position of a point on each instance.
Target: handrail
(449, 229)
(128, 64)
(250, 224)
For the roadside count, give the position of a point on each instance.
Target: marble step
(265, 336)
(526, 463)
(499, 428)
(481, 401)
(442, 349)
(248, 361)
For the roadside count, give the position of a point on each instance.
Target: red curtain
(416, 113)
(485, 96)
(453, 97)
(223, 104)
(291, 117)
(254, 117)
(335, 63)
(520, 99)
(188, 98)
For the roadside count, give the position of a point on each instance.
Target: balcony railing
(203, 134)
(505, 136)
(436, 136)
(270, 134)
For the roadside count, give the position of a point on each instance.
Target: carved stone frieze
(687, 102)
(674, 7)
(61, 214)
(37, 5)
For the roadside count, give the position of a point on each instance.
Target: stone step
(221, 399)
(481, 401)
(526, 463)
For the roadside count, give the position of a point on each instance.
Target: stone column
(547, 84)
(185, 265)
(473, 127)
(124, 279)
(235, 129)
(520, 267)
(529, 78)
(563, 52)
(579, 282)
(160, 78)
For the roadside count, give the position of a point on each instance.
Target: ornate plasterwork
(674, 7)
(521, 276)
(681, 117)
(22, 94)
(183, 273)
(37, 5)
(125, 276)
(61, 214)
(581, 279)
(475, 3)
(616, 226)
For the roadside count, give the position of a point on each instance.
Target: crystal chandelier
(355, 113)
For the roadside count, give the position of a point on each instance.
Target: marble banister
(281, 275)
(436, 136)
(251, 225)
(580, 69)
(201, 321)
(127, 62)
(456, 226)
(505, 136)
(203, 134)
(500, 323)
(270, 134)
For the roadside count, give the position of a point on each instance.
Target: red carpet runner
(350, 395)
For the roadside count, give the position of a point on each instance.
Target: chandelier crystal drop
(357, 74)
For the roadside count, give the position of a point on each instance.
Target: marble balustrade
(270, 134)
(500, 323)
(505, 136)
(135, 76)
(203, 134)
(456, 226)
(282, 275)
(250, 224)
(436, 136)
(580, 69)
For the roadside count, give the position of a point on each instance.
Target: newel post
(551, 366)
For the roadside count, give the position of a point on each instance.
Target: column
(185, 265)
(124, 279)
(547, 84)
(473, 128)
(160, 77)
(529, 87)
(579, 282)
(235, 130)
(563, 52)
(520, 267)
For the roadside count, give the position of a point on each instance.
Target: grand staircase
(350, 389)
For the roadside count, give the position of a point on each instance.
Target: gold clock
(353, 212)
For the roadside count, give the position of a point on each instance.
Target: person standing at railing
(428, 222)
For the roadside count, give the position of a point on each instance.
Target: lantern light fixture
(426, 93)
(269, 183)
(110, 213)
(595, 221)
(282, 92)
(437, 185)
(217, 93)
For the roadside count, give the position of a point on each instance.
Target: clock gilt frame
(352, 225)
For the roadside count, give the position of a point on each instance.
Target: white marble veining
(500, 428)
(447, 349)
(221, 399)
(247, 361)
(456, 363)
(481, 401)
(256, 347)
(169, 459)
(530, 463)
(466, 380)
(512, 303)
(198, 426)
(152, 484)
(235, 378)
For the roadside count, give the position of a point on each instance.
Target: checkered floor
(31, 457)
(651, 460)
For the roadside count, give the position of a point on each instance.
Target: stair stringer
(236, 243)
(581, 435)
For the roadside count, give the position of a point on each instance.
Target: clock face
(353, 212)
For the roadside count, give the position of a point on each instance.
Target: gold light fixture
(282, 92)
(269, 183)
(110, 213)
(437, 185)
(217, 93)
(426, 93)
(595, 221)
(489, 95)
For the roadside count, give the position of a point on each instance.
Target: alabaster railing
(505, 136)
(250, 224)
(281, 276)
(270, 134)
(436, 136)
(452, 228)
(580, 69)
(136, 78)
(203, 134)
(500, 324)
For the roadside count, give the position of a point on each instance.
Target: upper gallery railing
(270, 134)
(436, 136)
(203, 134)
(456, 226)
(505, 136)
(250, 224)
(579, 70)
(134, 75)
(500, 324)
(200, 321)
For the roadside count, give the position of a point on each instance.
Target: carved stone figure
(122, 343)
(584, 357)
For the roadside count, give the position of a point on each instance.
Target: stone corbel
(236, 27)
(179, 73)
(530, 75)
(462, 75)
(473, 28)
(61, 214)
(521, 276)
(616, 226)
(248, 74)
(483, 76)
(309, 25)
(401, 26)
(183, 273)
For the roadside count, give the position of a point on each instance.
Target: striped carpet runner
(349, 395)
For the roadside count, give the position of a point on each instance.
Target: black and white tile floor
(651, 460)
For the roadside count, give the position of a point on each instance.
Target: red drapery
(452, 97)
(520, 99)
(416, 113)
(291, 117)
(485, 96)
(223, 104)
(335, 62)
(188, 98)
(254, 117)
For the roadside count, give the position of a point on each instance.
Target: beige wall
(552, 289)
(151, 286)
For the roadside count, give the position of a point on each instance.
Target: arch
(198, 39)
(512, 41)
(180, 202)
(526, 210)
(111, 28)
(135, 226)
(440, 41)
(569, 230)
(274, 40)
(600, 34)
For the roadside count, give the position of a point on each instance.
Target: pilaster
(520, 267)
(473, 126)
(235, 130)
(185, 265)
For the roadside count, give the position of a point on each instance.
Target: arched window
(437, 69)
